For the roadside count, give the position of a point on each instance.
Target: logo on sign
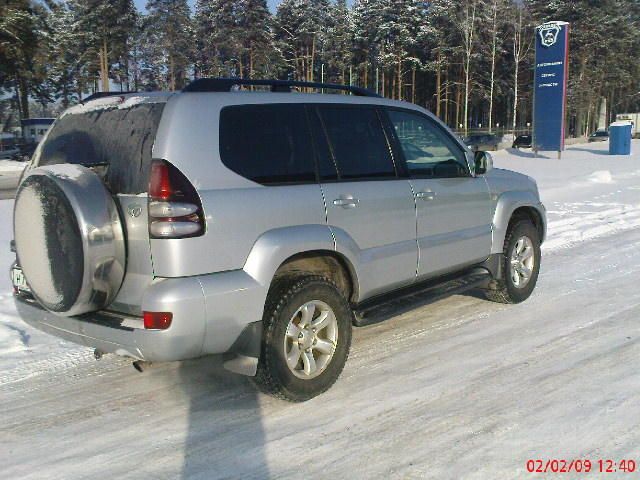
(548, 34)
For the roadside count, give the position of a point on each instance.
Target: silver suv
(257, 224)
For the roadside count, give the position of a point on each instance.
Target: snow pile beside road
(588, 193)
(24, 351)
(601, 176)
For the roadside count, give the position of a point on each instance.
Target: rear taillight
(160, 184)
(157, 320)
(175, 210)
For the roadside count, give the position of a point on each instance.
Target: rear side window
(357, 142)
(269, 144)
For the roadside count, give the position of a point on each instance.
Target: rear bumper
(111, 333)
(211, 315)
(124, 334)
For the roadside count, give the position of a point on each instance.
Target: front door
(453, 207)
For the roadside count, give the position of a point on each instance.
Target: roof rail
(227, 84)
(93, 96)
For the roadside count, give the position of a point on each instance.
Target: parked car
(259, 225)
(8, 146)
(482, 142)
(599, 136)
(24, 152)
(522, 141)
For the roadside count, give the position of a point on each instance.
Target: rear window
(268, 144)
(357, 141)
(119, 138)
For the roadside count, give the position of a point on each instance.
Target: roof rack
(93, 96)
(227, 85)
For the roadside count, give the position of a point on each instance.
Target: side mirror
(483, 162)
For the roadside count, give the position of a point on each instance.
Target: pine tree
(167, 43)
(219, 45)
(301, 32)
(19, 43)
(262, 58)
(365, 15)
(338, 47)
(105, 28)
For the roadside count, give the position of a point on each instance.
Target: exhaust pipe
(97, 354)
(140, 365)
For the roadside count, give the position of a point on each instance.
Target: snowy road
(457, 388)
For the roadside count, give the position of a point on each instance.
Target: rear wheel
(306, 340)
(521, 264)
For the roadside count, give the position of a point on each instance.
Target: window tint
(427, 149)
(267, 143)
(357, 141)
(324, 159)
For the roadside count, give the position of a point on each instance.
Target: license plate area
(18, 280)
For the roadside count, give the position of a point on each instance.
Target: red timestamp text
(580, 465)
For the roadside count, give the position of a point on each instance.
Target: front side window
(427, 149)
(269, 144)
(357, 142)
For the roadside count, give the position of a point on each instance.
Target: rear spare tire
(69, 239)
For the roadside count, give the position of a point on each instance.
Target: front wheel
(521, 265)
(306, 339)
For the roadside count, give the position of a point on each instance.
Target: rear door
(453, 206)
(114, 136)
(367, 202)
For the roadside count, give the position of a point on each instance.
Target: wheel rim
(310, 340)
(522, 262)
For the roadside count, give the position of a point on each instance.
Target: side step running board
(383, 307)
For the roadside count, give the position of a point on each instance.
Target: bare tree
(521, 47)
(494, 46)
(467, 25)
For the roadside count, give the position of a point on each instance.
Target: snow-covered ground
(456, 388)
(10, 172)
(11, 167)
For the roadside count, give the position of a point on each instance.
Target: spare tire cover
(69, 239)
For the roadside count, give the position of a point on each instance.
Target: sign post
(550, 86)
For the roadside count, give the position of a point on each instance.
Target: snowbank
(11, 167)
(24, 351)
(588, 193)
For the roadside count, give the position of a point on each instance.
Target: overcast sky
(141, 4)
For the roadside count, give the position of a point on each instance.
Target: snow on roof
(115, 101)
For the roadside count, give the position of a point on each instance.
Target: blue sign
(550, 86)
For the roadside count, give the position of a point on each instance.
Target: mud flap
(243, 356)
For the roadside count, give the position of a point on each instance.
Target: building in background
(634, 118)
(33, 129)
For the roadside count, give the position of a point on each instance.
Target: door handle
(426, 196)
(346, 202)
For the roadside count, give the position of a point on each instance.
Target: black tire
(504, 290)
(285, 297)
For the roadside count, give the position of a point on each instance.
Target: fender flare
(508, 203)
(275, 246)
